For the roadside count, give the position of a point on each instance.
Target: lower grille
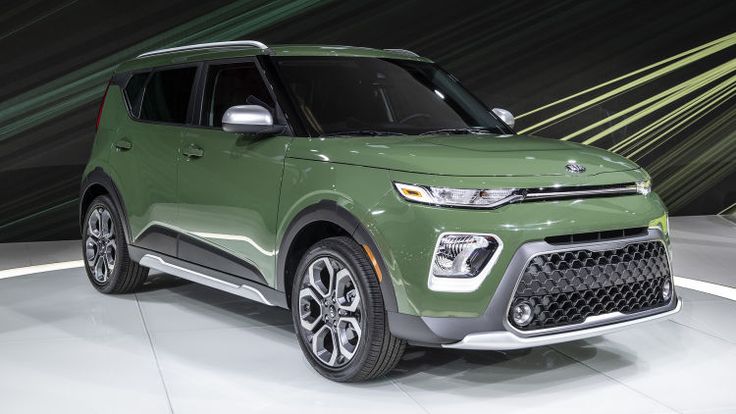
(565, 288)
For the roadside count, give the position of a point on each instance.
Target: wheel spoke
(106, 224)
(348, 336)
(317, 272)
(90, 251)
(93, 224)
(110, 255)
(346, 293)
(100, 269)
(310, 310)
(324, 345)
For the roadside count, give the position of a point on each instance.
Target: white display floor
(183, 348)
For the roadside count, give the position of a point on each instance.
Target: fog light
(666, 290)
(521, 314)
(462, 255)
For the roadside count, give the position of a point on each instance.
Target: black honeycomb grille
(566, 287)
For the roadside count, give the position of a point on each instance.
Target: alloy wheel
(100, 246)
(330, 312)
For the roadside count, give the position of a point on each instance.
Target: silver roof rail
(235, 43)
(403, 51)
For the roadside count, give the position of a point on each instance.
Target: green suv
(372, 195)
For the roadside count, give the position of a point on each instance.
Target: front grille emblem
(575, 168)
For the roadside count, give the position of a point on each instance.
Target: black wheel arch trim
(330, 211)
(98, 177)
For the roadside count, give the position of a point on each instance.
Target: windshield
(371, 96)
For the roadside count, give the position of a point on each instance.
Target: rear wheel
(339, 315)
(106, 258)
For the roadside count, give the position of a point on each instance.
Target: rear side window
(231, 85)
(134, 92)
(167, 95)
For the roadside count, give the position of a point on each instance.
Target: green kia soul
(372, 195)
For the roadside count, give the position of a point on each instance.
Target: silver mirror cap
(247, 119)
(506, 116)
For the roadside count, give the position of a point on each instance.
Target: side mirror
(250, 119)
(505, 116)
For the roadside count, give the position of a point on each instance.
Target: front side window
(167, 94)
(231, 85)
(371, 96)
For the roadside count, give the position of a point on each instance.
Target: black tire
(123, 275)
(377, 350)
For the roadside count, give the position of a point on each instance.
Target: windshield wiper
(363, 132)
(458, 131)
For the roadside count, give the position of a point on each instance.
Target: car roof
(230, 50)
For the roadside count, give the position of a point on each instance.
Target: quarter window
(167, 95)
(134, 92)
(231, 85)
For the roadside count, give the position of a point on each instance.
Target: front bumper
(493, 331)
(509, 340)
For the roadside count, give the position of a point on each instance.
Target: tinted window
(231, 85)
(346, 95)
(134, 92)
(167, 95)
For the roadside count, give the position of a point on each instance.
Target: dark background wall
(654, 81)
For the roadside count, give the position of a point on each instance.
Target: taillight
(99, 111)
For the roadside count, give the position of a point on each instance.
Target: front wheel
(339, 315)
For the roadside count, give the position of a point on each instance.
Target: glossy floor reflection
(183, 348)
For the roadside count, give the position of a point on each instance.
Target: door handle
(123, 145)
(193, 151)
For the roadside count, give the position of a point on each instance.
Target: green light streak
(626, 76)
(710, 97)
(47, 210)
(728, 210)
(689, 58)
(654, 103)
(702, 105)
(86, 85)
(712, 164)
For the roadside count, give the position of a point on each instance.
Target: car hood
(462, 155)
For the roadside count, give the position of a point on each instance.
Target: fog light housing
(462, 255)
(461, 261)
(521, 314)
(666, 290)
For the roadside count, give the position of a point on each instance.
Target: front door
(229, 183)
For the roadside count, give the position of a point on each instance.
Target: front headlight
(458, 197)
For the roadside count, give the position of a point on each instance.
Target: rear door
(146, 155)
(229, 183)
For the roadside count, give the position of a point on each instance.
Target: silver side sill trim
(248, 292)
(499, 341)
